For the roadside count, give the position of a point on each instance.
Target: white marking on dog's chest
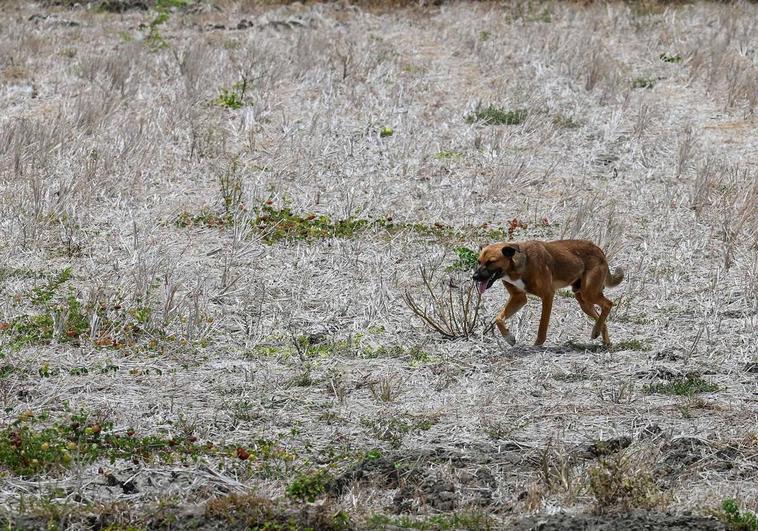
(515, 283)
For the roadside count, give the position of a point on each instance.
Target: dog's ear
(517, 256)
(519, 261)
(510, 250)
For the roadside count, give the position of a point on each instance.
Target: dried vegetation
(213, 216)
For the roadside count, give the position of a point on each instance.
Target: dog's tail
(615, 278)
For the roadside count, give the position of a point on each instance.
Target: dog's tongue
(481, 285)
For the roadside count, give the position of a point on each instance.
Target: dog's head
(497, 260)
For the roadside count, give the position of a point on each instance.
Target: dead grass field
(211, 212)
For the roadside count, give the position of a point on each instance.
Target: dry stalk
(452, 310)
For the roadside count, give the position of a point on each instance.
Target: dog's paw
(595, 332)
(510, 339)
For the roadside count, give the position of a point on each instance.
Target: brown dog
(540, 268)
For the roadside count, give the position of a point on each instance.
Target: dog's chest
(518, 284)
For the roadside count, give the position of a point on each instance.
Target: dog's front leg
(515, 303)
(547, 307)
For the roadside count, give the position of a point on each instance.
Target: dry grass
(296, 349)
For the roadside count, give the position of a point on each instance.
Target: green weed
(736, 519)
(467, 260)
(233, 98)
(26, 449)
(684, 386)
(492, 115)
(309, 486)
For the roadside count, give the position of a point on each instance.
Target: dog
(540, 268)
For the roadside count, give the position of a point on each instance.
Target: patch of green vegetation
(670, 58)
(565, 294)
(683, 386)
(394, 429)
(205, 218)
(23, 273)
(628, 344)
(736, 519)
(467, 260)
(64, 318)
(26, 330)
(233, 98)
(492, 115)
(448, 155)
(277, 224)
(44, 294)
(309, 486)
(643, 82)
(27, 449)
(154, 39)
(386, 131)
(283, 224)
(458, 520)
(484, 35)
(248, 511)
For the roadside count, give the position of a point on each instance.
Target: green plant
(467, 260)
(154, 39)
(309, 486)
(233, 98)
(736, 519)
(492, 115)
(682, 386)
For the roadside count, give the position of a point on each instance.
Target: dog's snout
(481, 273)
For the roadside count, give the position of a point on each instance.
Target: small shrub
(735, 518)
(496, 116)
(449, 309)
(620, 481)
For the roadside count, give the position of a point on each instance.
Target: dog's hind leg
(592, 294)
(590, 310)
(600, 326)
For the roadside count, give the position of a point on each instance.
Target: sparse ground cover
(215, 217)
